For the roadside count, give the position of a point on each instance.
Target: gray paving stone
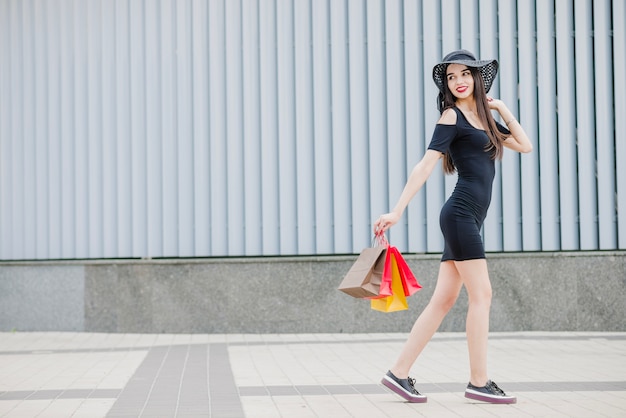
(553, 374)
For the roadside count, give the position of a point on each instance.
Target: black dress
(463, 213)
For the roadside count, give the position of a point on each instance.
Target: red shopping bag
(410, 284)
(386, 280)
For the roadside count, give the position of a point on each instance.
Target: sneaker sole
(478, 396)
(399, 390)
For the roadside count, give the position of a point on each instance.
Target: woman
(468, 140)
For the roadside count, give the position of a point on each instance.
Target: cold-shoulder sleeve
(502, 128)
(442, 137)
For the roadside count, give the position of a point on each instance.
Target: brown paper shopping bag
(363, 278)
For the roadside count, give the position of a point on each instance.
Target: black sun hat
(487, 68)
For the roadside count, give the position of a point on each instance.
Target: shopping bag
(381, 274)
(410, 284)
(387, 276)
(364, 277)
(396, 301)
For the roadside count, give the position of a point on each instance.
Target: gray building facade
(168, 128)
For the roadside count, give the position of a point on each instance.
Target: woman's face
(460, 81)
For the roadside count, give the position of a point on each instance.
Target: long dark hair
(446, 100)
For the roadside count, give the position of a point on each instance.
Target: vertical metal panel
(218, 155)
(52, 219)
(619, 62)
(470, 29)
(585, 126)
(450, 26)
(25, 122)
(22, 123)
(566, 104)
(605, 143)
(509, 90)
(253, 166)
(94, 123)
(201, 129)
(378, 153)
(268, 127)
(66, 131)
(122, 132)
(138, 130)
(359, 138)
(169, 137)
(287, 162)
(5, 132)
(414, 118)
(6, 178)
(396, 138)
(235, 204)
(109, 123)
(547, 118)
(322, 129)
(184, 195)
(341, 132)
(39, 143)
(305, 151)
(74, 240)
(154, 133)
(529, 174)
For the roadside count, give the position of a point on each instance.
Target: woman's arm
(518, 141)
(416, 180)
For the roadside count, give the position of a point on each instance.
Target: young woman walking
(469, 140)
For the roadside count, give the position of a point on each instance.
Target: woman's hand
(518, 141)
(385, 222)
(494, 104)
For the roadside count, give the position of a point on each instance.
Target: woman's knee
(443, 303)
(480, 297)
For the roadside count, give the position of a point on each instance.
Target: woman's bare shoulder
(448, 117)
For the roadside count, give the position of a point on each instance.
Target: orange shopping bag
(393, 288)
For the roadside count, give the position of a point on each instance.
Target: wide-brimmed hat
(488, 68)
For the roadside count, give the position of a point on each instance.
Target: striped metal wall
(180, 128)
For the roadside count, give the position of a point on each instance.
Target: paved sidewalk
(303, 375)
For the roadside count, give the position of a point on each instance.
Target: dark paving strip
(60, 394)
(86, 350)
(171, 381)
(193, 399)
(365, 389)
(223, 393)
(133, 397)
(179, 380)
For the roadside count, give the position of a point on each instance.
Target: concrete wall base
(578, 291)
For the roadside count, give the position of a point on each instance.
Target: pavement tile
(57, 374)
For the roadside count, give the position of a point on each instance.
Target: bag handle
(380, 239)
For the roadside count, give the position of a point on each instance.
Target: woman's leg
(445, 295)
(475, 277)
